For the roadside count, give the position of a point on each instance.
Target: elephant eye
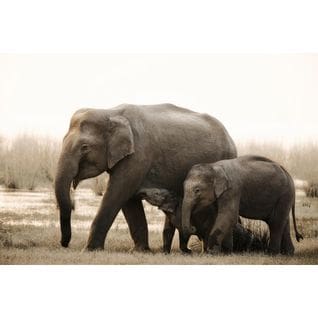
(196, 191)
(84, 148)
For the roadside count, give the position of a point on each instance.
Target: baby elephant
(251, 186)
(170, 204)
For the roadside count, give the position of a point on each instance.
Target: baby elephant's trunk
(187, 229)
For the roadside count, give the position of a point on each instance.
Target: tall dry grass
(301, 160)
(1, 160)
(28, 161)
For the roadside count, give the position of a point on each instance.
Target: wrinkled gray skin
(251, 186)
(140, 147)
(203, 221)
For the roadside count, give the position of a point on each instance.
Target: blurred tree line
(29, 161)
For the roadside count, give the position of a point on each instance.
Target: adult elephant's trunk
(66, 172)
(187, 207)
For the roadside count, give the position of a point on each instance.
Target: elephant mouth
(88, 173)
(75, 182)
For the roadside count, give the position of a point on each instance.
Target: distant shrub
(300, 159)
(1, 160)
(274, 151)
(22, 163)
(312, 190)
(303, 161)
(29, 161)
(49, 154)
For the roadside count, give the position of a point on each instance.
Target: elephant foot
(186, 251)
(287, 253)
(216, 249)
(65, 240)
(166, 250)
(272, 252)
(227, 251)
(92, 248)
(64, 244)
(287, 249)
(142, 249)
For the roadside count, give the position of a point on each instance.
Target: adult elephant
(140, 147)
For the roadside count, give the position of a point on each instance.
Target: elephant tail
(298, 235)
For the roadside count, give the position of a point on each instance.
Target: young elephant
(169, 203)
(251, 186)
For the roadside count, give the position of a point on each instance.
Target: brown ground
(29, 234)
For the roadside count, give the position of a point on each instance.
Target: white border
(158, 291)
(165, 26)
(158, 27)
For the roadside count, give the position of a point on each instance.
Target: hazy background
(171, 26)
(272, 97)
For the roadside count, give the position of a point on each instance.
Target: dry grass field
(29, 234)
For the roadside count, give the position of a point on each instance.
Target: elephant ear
(221, 181)
(121, 140)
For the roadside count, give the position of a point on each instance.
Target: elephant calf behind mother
(150, 146)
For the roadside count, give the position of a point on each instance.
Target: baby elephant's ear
(221, 181)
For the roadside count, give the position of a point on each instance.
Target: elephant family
(150, 146)
(170, 204)
(251, 186)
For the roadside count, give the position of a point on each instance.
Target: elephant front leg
(101, 224)
(221, 235)
(205, 244)
(134, 214)
(227, 244)
(120, 190)
(183, 243)
(167, 235)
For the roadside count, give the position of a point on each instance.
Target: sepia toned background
(257, 96)
(144, 26)
(267, 102)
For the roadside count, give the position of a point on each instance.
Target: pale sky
(268, 97)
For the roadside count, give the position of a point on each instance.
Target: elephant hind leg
(135, 216)
(167, 235)
(275, 239)
(277, 224)
(287, 246)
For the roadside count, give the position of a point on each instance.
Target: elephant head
(95, 142)
(164, 199)
(204, 184)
